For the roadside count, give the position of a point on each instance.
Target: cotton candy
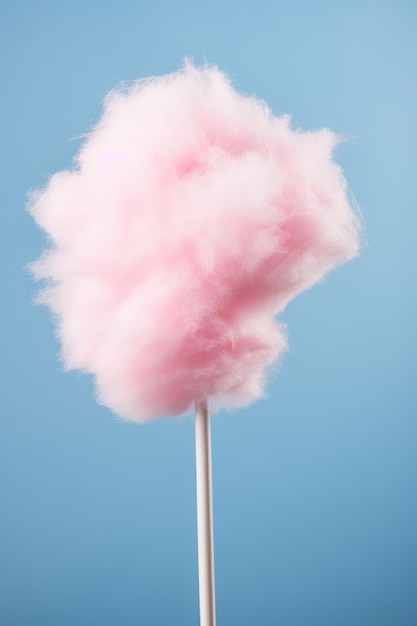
(191, 217)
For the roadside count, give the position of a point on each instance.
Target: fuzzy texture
(192, 216)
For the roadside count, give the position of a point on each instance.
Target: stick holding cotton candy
(204, 514)
(191, 217)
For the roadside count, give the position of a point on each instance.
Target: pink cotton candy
(191, 218)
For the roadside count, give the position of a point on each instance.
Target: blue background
(314, 487)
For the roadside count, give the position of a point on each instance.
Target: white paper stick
(204, 515)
